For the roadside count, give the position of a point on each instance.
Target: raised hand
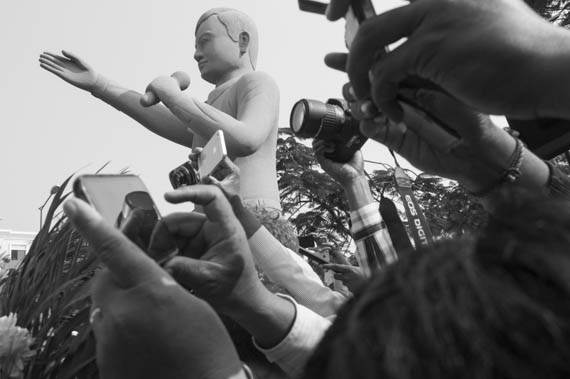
(343, 173)
(70, 68)
(476, 161)
(145, 324)
(215, 261)
(497, 56)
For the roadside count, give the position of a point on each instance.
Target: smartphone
(211, 161)
(124, 201)
(313, 256)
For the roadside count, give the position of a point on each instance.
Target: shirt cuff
(293, 351)
(365, 216)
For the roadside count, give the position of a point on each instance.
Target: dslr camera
(330, 121)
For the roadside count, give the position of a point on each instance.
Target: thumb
(149, 99)
(190, 273)
(126, 262)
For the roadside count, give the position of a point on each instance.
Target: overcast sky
(51, 129)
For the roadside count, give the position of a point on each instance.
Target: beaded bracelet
(511, 174)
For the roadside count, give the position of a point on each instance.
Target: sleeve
(292, 353)
(291, 272)
(374, 248)
(558, 182)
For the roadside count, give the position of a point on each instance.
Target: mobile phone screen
(124, 201)
(212, 155)
(107, 193)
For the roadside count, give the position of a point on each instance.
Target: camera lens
(310, 118)
(183, 175)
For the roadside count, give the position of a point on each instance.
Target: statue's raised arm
(75, 71)
(70, 68)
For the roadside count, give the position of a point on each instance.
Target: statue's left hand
(70, 68)
(164, 85)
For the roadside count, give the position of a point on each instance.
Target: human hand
(337, 9)
(230, 184)
(478, 159)
(145, 324)
(499, 57)
(343, 173)
(70, 68)
(214, 258)
(162, 85)
(351, 276)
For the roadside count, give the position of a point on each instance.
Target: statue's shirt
(258, 175)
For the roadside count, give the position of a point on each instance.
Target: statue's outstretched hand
(70, 68)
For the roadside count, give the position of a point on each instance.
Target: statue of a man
(244, 104)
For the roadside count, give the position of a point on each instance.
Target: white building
(13, 246)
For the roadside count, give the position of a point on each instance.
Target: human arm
(257, 108)
(281, 265)
(351, 276)
(481, 157)
(75, 71)
(499, 57)
(374, 248)
(194, 344)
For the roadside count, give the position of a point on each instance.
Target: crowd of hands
(485, 56)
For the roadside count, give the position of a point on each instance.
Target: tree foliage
(50, 294)
(316, 203)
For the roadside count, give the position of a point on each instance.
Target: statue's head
(226, 39)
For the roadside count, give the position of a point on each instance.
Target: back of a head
(492, 306)
(235, 22)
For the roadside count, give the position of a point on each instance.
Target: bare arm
(257, 98)
(158, 119)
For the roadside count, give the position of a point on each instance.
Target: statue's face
(216, 53)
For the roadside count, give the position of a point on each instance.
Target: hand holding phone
(124, 201)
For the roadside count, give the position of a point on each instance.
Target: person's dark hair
(495, 305)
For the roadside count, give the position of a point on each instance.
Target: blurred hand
(337, 9)
(145, 324)
(497, 56)
(70, 68)
(214, 260)
(343, 173)
(351, 276)
(478, 160)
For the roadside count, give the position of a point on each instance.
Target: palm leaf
(49, 292)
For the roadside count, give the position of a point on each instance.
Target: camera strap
(419, 227)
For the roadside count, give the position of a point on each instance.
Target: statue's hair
(235, 22)
(496, 305)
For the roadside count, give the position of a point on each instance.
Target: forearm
(285, 268)
(534, 177)
(204, 120)
(158, 119)
(357, 191)
(266, 316)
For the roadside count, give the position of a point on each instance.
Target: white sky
(51, 129)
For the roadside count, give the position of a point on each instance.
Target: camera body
(330, 121)
(211, 162)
